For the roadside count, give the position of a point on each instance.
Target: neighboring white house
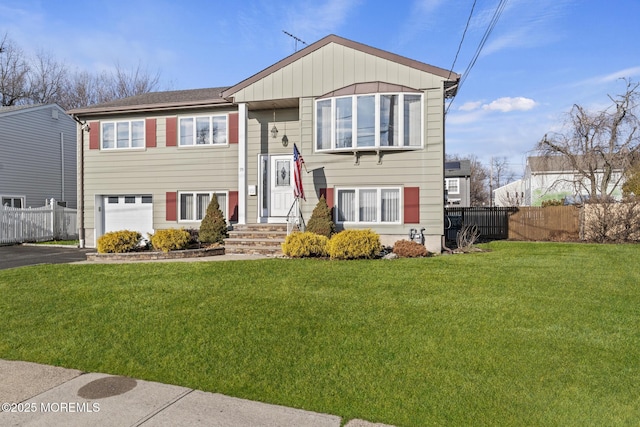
(37, 156)
(550, 179)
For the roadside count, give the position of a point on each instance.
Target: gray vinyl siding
(155, 171)
(31, 163)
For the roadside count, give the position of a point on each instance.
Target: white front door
(281, 188)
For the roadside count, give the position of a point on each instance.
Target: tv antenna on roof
(295, 38)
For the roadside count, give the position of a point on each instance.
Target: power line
(462, 40)
(483, 41)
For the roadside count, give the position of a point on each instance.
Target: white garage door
(133, 213)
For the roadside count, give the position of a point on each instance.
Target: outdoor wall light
(285, 141)
(274, 132)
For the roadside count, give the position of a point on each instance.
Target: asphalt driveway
(23, 255)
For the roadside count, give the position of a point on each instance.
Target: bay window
(371, 121)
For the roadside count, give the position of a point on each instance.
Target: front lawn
(526, 334)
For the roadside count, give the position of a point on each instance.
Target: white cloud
(470, 106)
(508, 104)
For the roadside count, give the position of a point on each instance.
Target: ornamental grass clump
(172, 239)
(354, 244)
(306, 244)
(116, 242)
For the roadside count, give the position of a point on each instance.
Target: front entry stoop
(256, 239)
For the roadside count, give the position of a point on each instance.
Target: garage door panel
(128, 213)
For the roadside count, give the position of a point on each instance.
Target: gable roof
(457, 168)
(451, 77)
(158, 101)
(17, 109)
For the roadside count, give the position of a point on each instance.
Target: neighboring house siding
(31, 151)
(156, 171)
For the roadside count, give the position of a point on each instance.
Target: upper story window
(122, 134)
(203, 130)
(453, 185)
(369, 121)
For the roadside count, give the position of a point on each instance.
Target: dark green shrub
(307, 244)
(213, 228)
(170, 240)
(409, 249)
(320, 221)
(354, 244)
(117, 242)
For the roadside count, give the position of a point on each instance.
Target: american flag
(298, 191)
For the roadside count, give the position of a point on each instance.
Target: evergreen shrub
(354, 244)
(320, 221)
(116, 242)
(307, 244)
(172, 239)
(213, 228)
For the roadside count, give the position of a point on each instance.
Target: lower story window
(368, 205)
(193, 205)
(13, 201)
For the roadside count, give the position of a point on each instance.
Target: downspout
(80, 178)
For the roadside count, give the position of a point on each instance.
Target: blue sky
(542, 57)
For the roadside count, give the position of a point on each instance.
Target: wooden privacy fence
(51, 222)
(551, 223)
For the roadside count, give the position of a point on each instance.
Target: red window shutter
(172, 131)
(412, 205)
(233, 205)
(172, 209)
(94, 136)
(233, 128)
(150, 131)
(328, 196)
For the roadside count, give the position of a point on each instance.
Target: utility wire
(462, 40)
(483, 41)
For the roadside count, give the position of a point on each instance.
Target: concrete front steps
(256, 239)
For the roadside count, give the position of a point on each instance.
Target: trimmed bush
(213, 228)
(409, 249)
(320, 221)
(307, 244)
(117, 242)
(171, 239)
(354, 244)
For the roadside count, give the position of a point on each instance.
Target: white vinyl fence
(51, 222)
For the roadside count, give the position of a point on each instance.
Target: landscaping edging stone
(153, 255)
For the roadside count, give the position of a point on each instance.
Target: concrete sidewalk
(39, 395)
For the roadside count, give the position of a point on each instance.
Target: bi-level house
(368, 123)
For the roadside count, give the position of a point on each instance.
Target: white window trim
(115, 141)
(379, 205)
(211, 144)
(13, 196)
(354, 124)
(193, 193)
(456, 180)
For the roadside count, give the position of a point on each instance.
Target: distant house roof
(457, 168)
(155, 101)
(16, 109)
(542, 164)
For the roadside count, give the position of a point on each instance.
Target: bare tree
(597, 144)
(501, 173)
(14, 74)
(48, 80)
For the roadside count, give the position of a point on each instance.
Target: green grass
(527, 334)
(60, 242)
